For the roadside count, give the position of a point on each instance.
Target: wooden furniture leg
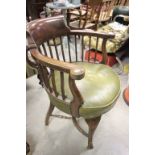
(92, 124)
(49, 112)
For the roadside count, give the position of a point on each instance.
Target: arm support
(76, 72)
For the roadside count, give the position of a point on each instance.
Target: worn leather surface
(99, 88)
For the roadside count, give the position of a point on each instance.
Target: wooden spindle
(62, 49)
(62, 85)
(68, 40)
(53, 82)
(56, 49)
(104, 52)
(82, 47)
(39, 48)
(96, 49)
(50, 49)
(89, 48)
(43, 45)
(76, 47)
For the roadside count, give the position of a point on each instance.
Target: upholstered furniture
(75, 86)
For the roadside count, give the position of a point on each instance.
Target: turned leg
(92, 124)
(49, 112)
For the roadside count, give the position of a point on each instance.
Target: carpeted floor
(62, 138)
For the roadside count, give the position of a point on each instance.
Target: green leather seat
(99, 88)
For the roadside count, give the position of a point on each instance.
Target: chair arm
(75, 72)
(94, 33)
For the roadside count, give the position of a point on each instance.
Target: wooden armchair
(75, 86)
(87, 16)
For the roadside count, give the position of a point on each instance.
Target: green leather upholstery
(99, 88)
(30, 71)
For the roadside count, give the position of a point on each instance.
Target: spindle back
(53, 39)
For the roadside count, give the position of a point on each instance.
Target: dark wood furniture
(34, 7)
(75, 86)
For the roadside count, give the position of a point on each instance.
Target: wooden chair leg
(92, 124)
(49, 112)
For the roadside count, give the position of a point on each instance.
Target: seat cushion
(99, 88)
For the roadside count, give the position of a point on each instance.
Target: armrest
(75, 72)
(91, 32)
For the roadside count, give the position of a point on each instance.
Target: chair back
(94, 9)
(106, 10)
(54, 39)
(88, 16)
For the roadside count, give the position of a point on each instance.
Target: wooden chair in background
(106, 11)
(88, 16)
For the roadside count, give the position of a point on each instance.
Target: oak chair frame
(43, 30)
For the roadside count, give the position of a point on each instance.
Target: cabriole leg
(92, 124)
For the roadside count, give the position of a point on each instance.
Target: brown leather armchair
(75, 86)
